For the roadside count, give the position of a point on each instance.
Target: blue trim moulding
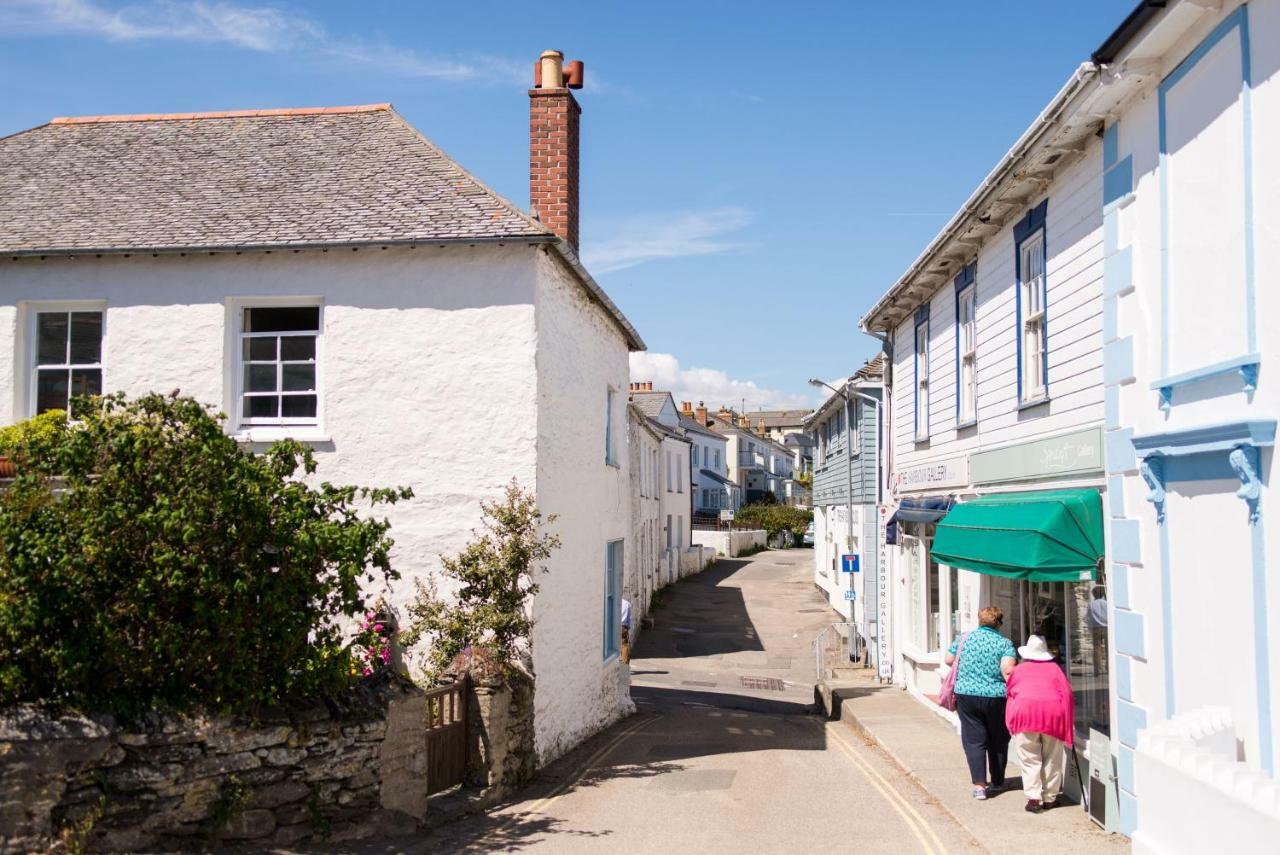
(1237, 21)
(1117, 273)
(1119, 451)
(1033, 221)
(963, 282)
(1119, 580)
(1124, 678)
(1130, 634)
(1128, 813)
(1110, 145)
(1117, 361)
(1117, 181)
(1126, 541)
(1124, 768)
(1247, 365)
(1130, 718)
(1208, 438)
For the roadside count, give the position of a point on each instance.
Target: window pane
(282, 319)
(260, 378)
(51, 338)
(51, 390)
(260, 349)
(261, 407)
(297, 347)
(298, 378)
(298, 406)
(86, 381)
(86, 338)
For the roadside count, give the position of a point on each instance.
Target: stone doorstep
(892, 720)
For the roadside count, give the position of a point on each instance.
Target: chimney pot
(553, 145)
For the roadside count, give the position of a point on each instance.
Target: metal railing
(753, 459)
(836, 646)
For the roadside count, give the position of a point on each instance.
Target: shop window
(924, 597)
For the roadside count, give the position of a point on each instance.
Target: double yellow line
(920, 827)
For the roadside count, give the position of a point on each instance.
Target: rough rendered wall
(427, 368)
(581, 354)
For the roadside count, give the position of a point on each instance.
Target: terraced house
(330, 275)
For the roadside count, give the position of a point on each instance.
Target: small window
(1031, 296)
(966, 329)
(278, 365)
(717, 460)
(612, 598)
(609, 456)
(922, 381)
(67, 360)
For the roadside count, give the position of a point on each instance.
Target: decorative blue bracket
(1152, 469)
(1247, 365)
(1244, 460)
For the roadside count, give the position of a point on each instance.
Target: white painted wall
(580, 355)
(1207, 525)
(641, 559)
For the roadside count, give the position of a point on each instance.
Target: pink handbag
(947, 694)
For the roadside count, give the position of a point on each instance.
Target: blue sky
(754, 174)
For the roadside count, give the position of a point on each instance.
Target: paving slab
(927, 748)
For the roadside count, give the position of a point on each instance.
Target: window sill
(1033, 403)
(921, 440)
(612, 463)
(965, 425)
(312, 434)
(919, 657)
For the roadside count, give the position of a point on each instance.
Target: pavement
(927, 748)
(727, 752)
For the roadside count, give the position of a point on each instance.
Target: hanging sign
(849, 563)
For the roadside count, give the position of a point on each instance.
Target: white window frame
(610, 453)
(967, 349)
(922, 381)
(28, 388)
(306, 430)
(1032, 296)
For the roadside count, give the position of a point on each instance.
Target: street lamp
(848, 462)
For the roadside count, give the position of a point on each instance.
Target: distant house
(676, 507)
(332, 276)
(713, 491)
(758, 465)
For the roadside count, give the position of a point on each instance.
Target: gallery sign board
(952, 472)
(1076, 453)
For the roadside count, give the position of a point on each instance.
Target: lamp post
(848, 461)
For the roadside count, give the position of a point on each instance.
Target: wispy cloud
(667, 236)
(710, 385)
(268, 29)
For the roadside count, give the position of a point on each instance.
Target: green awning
(1054, 536)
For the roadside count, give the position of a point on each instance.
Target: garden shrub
(774, 519)
(495, 575)
(176, 570)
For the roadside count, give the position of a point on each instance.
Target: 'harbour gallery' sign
(953, 472)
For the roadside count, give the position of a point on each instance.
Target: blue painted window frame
(1247, 364)
(612, 598)
(609, 456)
(966, 281)
(1032, 225)
(922, 319)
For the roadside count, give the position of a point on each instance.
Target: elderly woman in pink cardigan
(1040, 714)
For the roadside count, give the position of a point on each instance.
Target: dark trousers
(984, 736)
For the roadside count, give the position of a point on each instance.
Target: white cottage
(330, 275)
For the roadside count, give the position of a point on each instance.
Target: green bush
(774, 519)
(176, 570)
(35, 439)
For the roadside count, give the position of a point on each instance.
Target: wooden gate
(447, 735)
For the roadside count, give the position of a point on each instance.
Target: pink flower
(377, 627)
(367, 671)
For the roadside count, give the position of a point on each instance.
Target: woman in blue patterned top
(986, 660)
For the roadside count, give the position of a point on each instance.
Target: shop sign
(884, 663)
(849, 563)
(1074, 453)
(953, 472)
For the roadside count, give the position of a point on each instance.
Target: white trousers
(1042, 759)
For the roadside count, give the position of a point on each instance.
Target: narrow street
(724, 754)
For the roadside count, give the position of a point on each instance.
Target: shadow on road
(698, 617)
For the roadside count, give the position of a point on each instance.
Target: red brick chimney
(702, 413)
(553, 144)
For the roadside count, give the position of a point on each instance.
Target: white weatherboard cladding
(1074, 309)
(580, 355)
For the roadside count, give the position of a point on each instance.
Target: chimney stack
(686, 408)
(702, 413)
(553, 144)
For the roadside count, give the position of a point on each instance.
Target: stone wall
(337, 770)
(730, 544)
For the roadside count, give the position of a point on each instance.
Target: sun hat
(1035, 649)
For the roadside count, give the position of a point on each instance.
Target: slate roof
(692, 426)
(650, 403)
(244, 180)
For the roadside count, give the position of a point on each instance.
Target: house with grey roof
(331, 276)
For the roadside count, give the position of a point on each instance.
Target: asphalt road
(724, 754)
